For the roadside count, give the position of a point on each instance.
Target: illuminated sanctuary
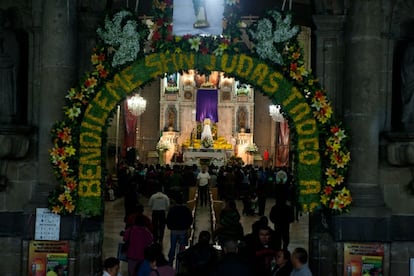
(206, 117)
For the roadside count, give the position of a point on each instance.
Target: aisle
(114, 215)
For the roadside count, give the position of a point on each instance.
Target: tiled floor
(114, 214)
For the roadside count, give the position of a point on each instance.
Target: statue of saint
(9, 59)
(206, 134)
(171, 118)
(242, 118)
(201, 14)
(407, 88)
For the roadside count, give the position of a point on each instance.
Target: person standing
(179, 220)
(203, 181)
(138, 237)
(282, 216)
(159, 204)
(300, 263)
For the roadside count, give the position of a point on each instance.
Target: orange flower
(64, 135)
(62, 198)
(69, 206)
(63, 166)
(295, 55)
(56, 209)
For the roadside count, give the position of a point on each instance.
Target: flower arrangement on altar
(251, 148)
(123, 39)
(207, 142)
(163, 146)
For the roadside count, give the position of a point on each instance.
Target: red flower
(293, 67)
(204, 50)
(334, 129)
(156, 36)
(101, 57)
(169, 28)
(169, 37)
(160, 22)
(328, 190)
(187, 36)
(319, 94)
(103, 73)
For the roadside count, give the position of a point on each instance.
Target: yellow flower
(100, 67)
(70, 150)
(62, 197)
(94, 59)
(331, 181)
(324, 199)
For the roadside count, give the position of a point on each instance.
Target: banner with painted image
(197, 17)
(363, 259)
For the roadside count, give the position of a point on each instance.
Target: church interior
(332, 104)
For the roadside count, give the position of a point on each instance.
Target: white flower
(268, 34)
(195, 43)
(163, 146)
(123, 38)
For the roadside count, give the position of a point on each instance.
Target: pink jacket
(138, 239)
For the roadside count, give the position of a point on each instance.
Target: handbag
(122, 251)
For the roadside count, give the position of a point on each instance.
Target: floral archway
(125, 62)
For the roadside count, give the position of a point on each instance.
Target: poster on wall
(363, 259)
(47, 258)
(47, 225)
(197, 17)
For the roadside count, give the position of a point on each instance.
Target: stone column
(58, 74)
(363, 107)
(330, 56)
(362, 103)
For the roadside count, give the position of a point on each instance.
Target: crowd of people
(225, 251)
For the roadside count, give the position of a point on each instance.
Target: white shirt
(159, 202)
(203, 179)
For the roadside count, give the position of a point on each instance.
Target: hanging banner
(364, 259)
(198, 17)
(48, 258)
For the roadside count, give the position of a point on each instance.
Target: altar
(206, 156)
(205, 118)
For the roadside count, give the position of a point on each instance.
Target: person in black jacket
(179, 221)
(231, 264)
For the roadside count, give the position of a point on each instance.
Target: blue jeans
(180, 237)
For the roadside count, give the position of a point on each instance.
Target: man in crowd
(300, 263)
(159, 204)
(179, 221)
(203, 180)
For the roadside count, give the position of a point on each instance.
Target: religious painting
(171, 83)
(197, 17)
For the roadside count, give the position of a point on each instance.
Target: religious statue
(206, 134)
(200, 13)
(171, 118)
(9, 60)
(407, 88)
(242, 117)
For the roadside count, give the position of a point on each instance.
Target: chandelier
(136, 105)
(274, 112)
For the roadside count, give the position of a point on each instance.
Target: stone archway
(249, 69)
